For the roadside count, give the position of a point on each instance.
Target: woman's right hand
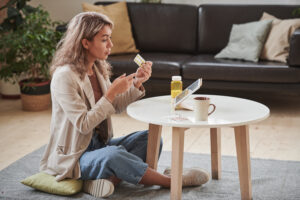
(119, 86)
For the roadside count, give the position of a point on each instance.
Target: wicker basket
(35, 102)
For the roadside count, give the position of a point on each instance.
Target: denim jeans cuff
(139, 177)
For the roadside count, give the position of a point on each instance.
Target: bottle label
(174, 93)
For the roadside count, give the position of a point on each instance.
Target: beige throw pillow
(121, 36)
(277, 44)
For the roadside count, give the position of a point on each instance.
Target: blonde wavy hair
(70, 50)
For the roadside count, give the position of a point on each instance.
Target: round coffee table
(230, 112)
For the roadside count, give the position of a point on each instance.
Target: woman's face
(100, 46)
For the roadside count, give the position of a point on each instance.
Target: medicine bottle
(176, 86)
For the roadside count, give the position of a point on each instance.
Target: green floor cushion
(47, 183)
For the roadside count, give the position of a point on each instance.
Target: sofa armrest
(294, 54)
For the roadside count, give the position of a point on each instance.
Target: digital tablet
(188, 91)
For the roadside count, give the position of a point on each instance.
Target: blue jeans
(123, 157)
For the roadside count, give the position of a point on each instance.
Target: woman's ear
(85, 43)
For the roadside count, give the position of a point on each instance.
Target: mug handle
(214, 108)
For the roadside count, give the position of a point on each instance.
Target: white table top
(230, 111)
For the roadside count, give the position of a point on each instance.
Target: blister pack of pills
(139, 60)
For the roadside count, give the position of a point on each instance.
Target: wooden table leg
(243, 158)
(154, 137)
(215, 141)
(177, 162)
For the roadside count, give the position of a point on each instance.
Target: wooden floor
(274, 138)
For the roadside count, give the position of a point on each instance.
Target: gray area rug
(271, 180)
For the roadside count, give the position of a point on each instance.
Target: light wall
(64, 10)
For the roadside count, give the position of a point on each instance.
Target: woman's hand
(143, 73)
(119, 86)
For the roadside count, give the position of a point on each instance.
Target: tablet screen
(188, 91)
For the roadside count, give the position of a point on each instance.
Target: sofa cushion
(246, 41)
(209, 68)
(277, 45)
(122, 37)
(215, 21)
(165, 65)
(248, 89)
(164, 27)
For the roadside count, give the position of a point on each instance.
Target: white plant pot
(9, 90)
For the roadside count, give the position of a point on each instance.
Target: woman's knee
(142, 136)
(140, 140)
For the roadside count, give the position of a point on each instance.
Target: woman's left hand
(143, 73)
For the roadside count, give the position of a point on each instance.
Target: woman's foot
(98, 187)
(192, 176)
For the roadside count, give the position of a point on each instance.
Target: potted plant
(9, 89)
(27, 51)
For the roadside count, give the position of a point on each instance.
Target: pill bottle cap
(176, 78)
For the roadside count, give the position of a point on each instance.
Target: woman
(81, 143)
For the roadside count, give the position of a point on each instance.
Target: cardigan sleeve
(123, 100)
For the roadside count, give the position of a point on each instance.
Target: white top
(230, 111)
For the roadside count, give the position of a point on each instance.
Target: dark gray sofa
(183, 39)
